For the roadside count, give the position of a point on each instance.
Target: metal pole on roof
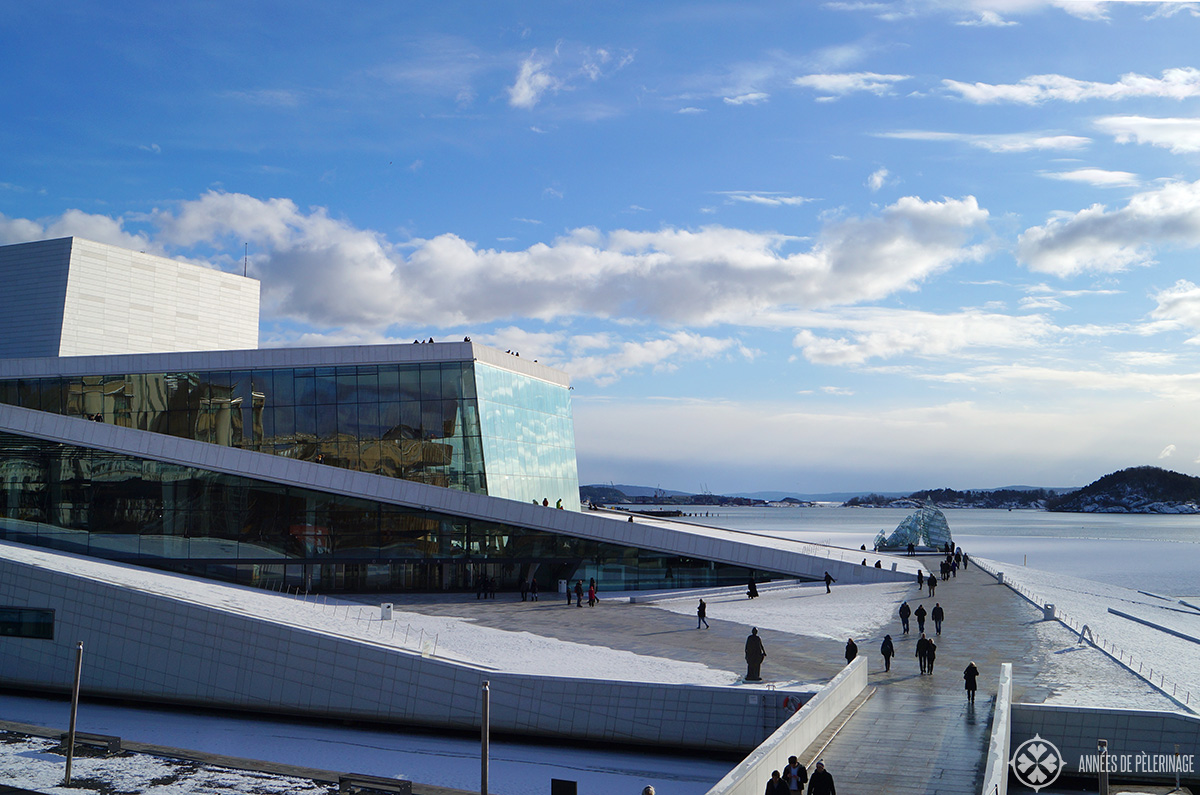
(74, 713)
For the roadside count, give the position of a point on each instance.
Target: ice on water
(924, 527)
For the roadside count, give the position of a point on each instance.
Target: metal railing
(1139, 667)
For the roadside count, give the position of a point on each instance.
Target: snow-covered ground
(1170, 662)
(31, 764)
(857, 611)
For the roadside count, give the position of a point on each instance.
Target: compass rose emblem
(1036, 763)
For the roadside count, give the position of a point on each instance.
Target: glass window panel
(410, 382)
(327, 421)
(325, 385)
(306, 386)
(347, 421)
(283, 386)
(431, 382)
(347, 385)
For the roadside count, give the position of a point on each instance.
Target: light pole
(74, 712)
(483, 736)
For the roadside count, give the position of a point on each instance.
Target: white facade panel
(122, 301)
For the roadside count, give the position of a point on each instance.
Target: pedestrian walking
(970, 675)
(938, 615)
(821, 782)
(795, 775)
(965, 560)
(752, 589)
(701, 613)
(592, 598)
(930, 656)
(829, 581)
(524, 590)
(755, 654)
(920, 579)
(776, 785)
(923, 652)
(932, 584)
(851, 650)
(579, 593)
(912, 549)
(568, 593)
(533, 589)
(920, 615)
(888, 651)
(905, 612)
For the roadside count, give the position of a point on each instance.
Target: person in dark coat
(920, 579)
(755, 654)
(970, 675)
(920, 614)
(930, 655)
(579, 593)
(795, 775)
(888, 651)
(776, 785)
(923, 652)
(752, 589)
(829, 581)
(932, 584)
(965, 561)
(533, 589)
(821, 782)
(905, 612)
(524, 590)
(701, 613)
(851, 650)
(912, 549)
(938, 615)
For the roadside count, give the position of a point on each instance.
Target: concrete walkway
(918, 734)
(915, 734)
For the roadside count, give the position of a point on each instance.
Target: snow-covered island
(1135, 490)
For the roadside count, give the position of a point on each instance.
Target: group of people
(795, 776)
(592, 596)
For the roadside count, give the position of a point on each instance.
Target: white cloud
(850, 83)
(886, 334)
(1179, 307)
(1002, 143)
(564, 71)
(1180, 135)
(1179, 83)
(660, 355)
(1099, 240)
(877, 179)
(986, 19)
(1097, 177)
(532, 81)
(753, 98)
(101, 228)
(768, 198)
(324, 272)
(690, 110)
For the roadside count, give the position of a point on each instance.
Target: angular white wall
(76, 297)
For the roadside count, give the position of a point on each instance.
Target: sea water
(1151, 552)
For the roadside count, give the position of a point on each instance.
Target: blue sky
(800, 246)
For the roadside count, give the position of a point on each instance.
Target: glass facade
(183, 518)
(528, 438)
(419, 422)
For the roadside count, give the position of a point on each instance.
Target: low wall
(142, 645)
(797, 733)
(995, 772)
(1139, 738)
